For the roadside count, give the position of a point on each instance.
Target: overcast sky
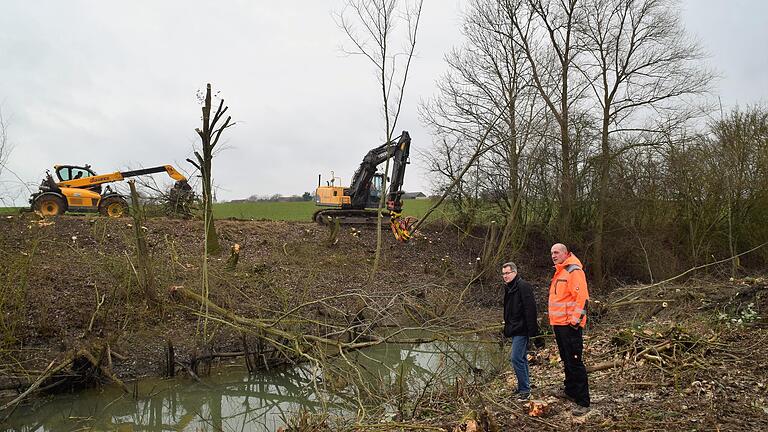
(114, 84)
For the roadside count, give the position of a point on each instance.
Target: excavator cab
(377, 183)
(338, 196)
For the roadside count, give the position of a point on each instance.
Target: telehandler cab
(79, 189)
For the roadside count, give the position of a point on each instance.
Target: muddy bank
(70, 282)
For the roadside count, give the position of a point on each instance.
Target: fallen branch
(688, 271)
(96, 364)
(633, 302)
(49, 372)
(604, 366)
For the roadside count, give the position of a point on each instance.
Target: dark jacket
(519, 309)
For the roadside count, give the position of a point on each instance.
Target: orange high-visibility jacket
(568, 294)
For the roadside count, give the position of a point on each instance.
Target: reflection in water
(232, 400)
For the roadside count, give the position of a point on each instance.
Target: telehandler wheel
(50, 205)
(113, 206)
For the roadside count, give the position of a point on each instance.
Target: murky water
(232, 400)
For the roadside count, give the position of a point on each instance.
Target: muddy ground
(57, 268)
(696, 360)
(691, 357)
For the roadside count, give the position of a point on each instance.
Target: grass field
(9, 210)
(281, 211)
(294, 211)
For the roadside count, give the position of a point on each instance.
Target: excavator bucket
(401, 226)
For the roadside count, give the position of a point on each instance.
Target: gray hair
(511, 266)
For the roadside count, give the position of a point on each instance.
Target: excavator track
(348, 216)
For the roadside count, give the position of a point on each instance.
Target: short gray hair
(511, 266)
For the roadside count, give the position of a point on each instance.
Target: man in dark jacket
(520, 324)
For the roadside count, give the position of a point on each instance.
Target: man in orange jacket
(568, 298)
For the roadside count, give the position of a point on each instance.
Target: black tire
(50, 205)
(113, 206)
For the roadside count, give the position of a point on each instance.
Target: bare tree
(546, 35)
(5, 148)
(489, 78)
(638, 61)
(371, 27)
(740, 148)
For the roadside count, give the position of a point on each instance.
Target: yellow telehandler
(79, 189)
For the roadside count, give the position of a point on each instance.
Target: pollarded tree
(209, 137)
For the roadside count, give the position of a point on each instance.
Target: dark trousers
(570, 343)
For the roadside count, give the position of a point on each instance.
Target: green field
(294, 211)
(9, 210)
(281, 211)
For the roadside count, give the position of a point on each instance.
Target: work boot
(579, 411)
(561, 394)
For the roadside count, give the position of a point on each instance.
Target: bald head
(559, 253)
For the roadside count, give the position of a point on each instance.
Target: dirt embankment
(71, 281)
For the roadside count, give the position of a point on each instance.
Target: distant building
(414, 195)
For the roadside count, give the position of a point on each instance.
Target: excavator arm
(399, 161)
(360, 187)
(359, 191)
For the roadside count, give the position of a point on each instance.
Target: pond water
(230, 399)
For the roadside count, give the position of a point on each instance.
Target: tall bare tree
(546, 36)
(640, 65)
(488, 78)
(5, 149)
(372, 28)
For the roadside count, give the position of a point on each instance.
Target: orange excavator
(79, 189)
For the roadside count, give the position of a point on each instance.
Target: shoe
(580, 411)
(561, 394)
(523, 397)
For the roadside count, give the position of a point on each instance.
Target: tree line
(601, 134)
